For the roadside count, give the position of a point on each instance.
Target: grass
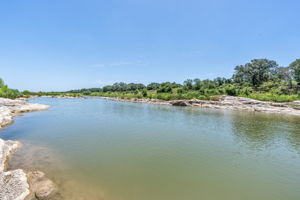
(272, 97)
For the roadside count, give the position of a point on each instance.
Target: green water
(99, 149)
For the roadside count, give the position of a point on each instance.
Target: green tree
(284, 74)
(295, 66)
(153, 86)
(26, 92)
(256, 72)
(188, 84)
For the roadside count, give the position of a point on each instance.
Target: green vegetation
(260, 79)
(7, 92)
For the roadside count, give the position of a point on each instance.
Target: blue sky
(68, 44)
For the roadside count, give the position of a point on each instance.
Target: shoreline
(225, 102)
(221, 102)
(18, 184)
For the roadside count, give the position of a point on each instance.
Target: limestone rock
(13, 185)
(41, 187)
(226, 102)
(180, 103)
(10, 108)
(6, 148)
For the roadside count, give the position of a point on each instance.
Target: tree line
(6, 92)
(261, 79)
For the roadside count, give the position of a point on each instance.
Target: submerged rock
(41, 187)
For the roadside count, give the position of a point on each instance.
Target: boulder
(41, 187)
(180, 103)
(13, 185)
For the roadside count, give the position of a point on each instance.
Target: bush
(144, 93)
(7, 92)
(246, 91)
(231, 90)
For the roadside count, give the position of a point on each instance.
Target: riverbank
(225, 102)
(18, 184)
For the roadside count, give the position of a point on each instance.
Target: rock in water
(180, 103)
(13, 184)
(6, 148)
(10, 108)
(41, 187)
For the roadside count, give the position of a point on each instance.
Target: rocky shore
(18, 184)
(226, 102)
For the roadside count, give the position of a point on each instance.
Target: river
(100, 149)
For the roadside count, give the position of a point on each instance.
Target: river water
(100, 149)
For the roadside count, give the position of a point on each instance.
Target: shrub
(231, 90)
(144, 93)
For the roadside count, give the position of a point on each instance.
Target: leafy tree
(7, 92)
(295, 66)
(188, 84)
(256, 72)
(220, 81)
(153, 86)
(284, 74)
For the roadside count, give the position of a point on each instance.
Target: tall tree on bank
(284, 74)
(255, 73)
(295, 66)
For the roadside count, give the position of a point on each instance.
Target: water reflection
(293, 136)
(261, 130)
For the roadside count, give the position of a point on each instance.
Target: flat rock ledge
(11, 108)
(16, 184)
(226, 102)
